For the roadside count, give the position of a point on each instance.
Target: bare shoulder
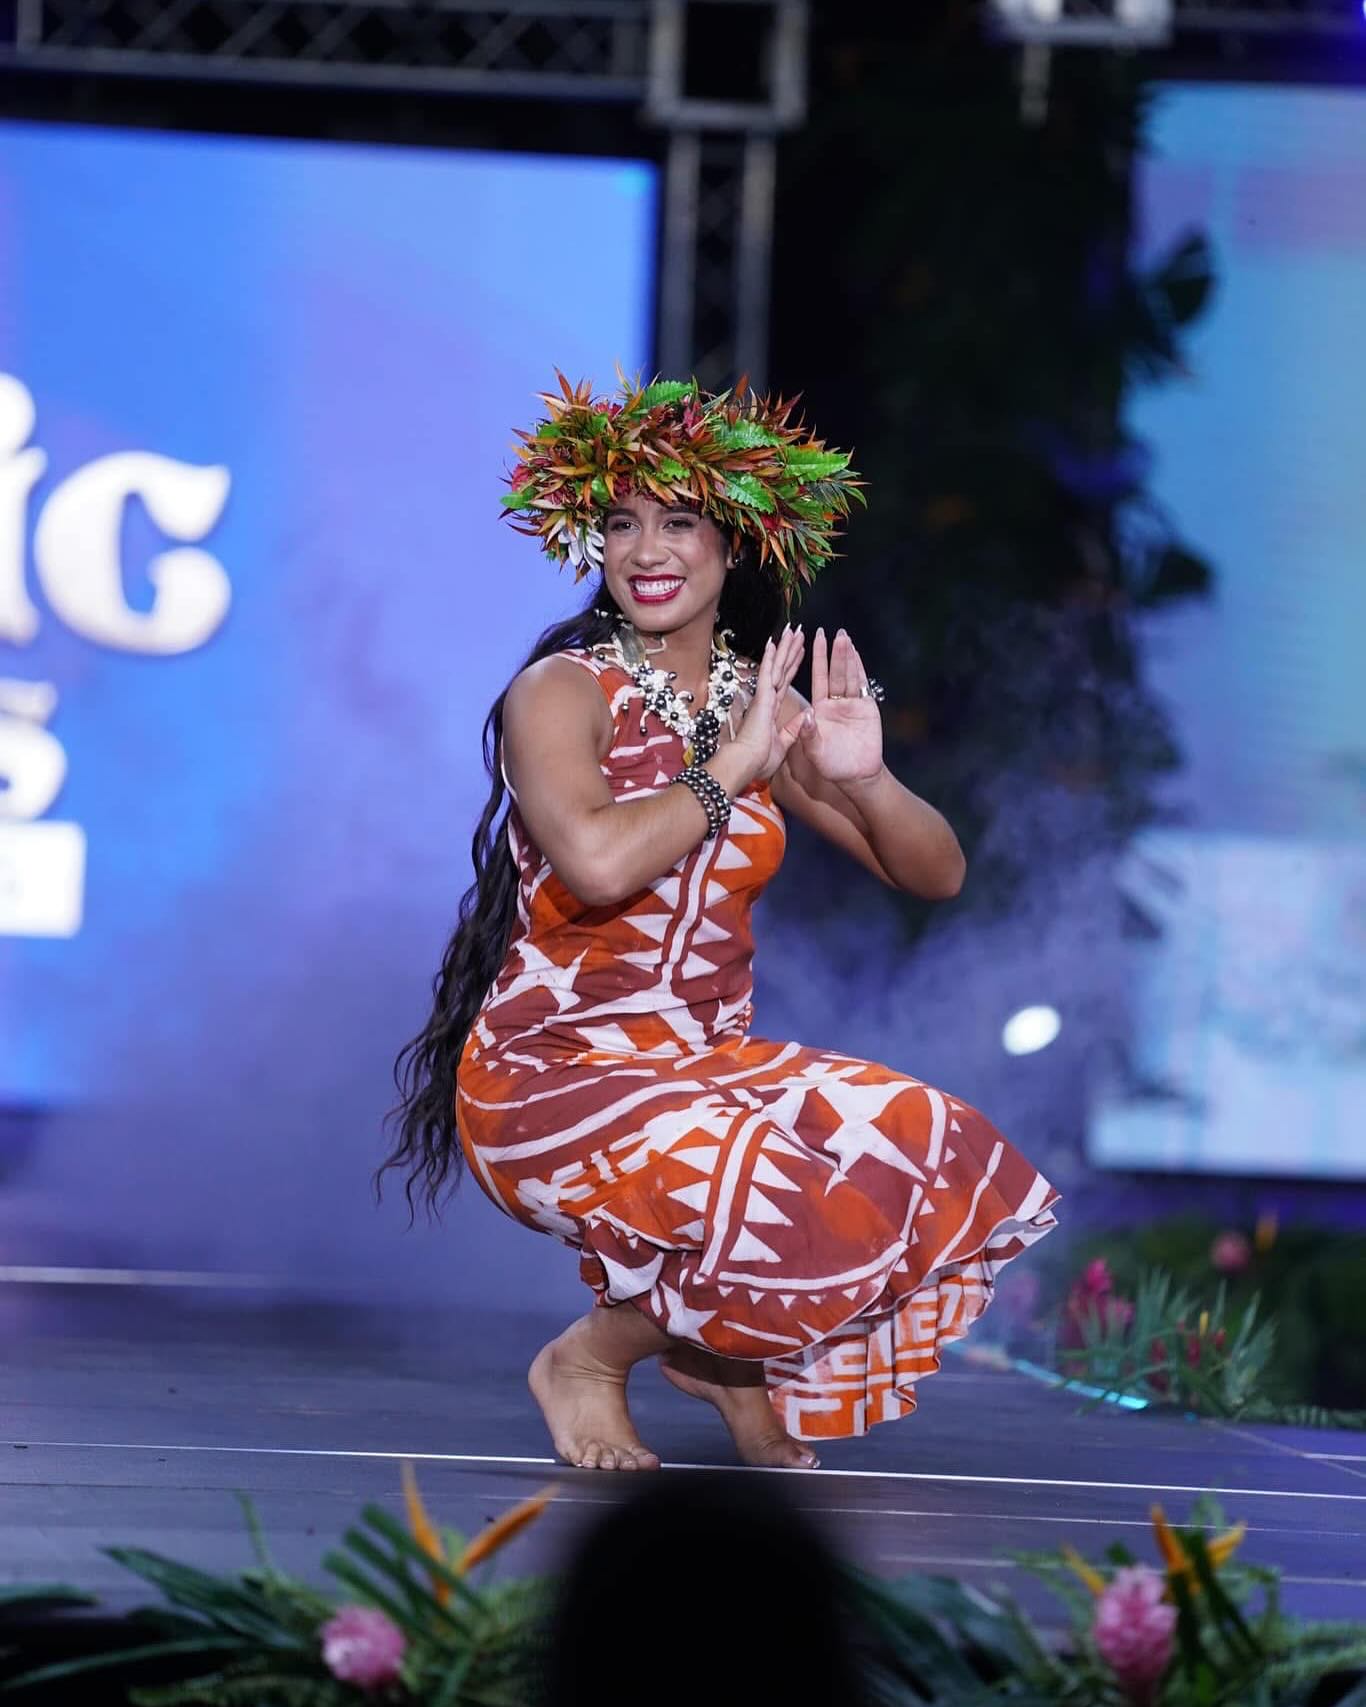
(556, 681)
(555, 692)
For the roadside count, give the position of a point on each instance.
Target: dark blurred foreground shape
(704, 1591)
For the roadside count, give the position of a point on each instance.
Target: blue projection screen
(255, 593)
(1249, 1012)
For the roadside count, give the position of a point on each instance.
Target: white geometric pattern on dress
(761, 1199)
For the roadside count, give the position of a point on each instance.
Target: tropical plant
(1190, 1630)
(1305, 1280)
(1166, 1348)
(412, 1627)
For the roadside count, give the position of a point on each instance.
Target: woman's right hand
(763, 737)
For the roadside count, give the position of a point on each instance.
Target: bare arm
(912, 840)
(556, 729)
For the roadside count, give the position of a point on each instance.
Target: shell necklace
(701, 734)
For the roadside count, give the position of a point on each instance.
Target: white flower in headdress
(585, 548)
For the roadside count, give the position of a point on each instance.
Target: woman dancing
(793, 1232)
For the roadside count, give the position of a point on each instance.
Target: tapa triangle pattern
(767, 1201)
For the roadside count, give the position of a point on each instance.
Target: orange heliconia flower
(1176, 1560)
(499, 1533)
(482, 1547)
(425, 1532)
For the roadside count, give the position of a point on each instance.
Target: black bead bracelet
(715, 800)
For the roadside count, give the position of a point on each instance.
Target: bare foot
(583, 1400)
(739, 1392)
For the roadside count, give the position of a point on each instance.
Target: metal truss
(716, 245)
(1040, 26)
(718, 236)
(720, 185)
(712, 317)
(595, 49)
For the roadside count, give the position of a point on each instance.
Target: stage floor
(133, 1418)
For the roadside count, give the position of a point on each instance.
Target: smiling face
(664, 566)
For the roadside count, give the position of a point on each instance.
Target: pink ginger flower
(363, 1646)
(1093, 1299)
(1231, 1252)
(1133, 1629)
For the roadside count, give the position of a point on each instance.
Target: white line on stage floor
(724, 1469)
(29, 1274)
(953, 1516)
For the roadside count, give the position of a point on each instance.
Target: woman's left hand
(842, 734)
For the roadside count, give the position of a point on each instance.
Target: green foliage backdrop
(957, 294)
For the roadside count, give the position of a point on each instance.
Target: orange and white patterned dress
(828, 1216)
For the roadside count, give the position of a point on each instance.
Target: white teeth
(667, 586)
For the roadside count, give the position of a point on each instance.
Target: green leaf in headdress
(518, 499)
(601, 491)
(548, 430)
(667, 391)
(752, 493)
(744, 434)
(815, 464)
(671, 470)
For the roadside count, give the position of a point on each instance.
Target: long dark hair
(427, 1145)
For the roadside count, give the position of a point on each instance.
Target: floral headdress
(737, 457)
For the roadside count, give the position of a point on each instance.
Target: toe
(592, 1456)
(781, 1452)
(797, 1456)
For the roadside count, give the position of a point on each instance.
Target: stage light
(1144, 14)
(1030, 1030)
(1028, 12)
(1096, 23)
